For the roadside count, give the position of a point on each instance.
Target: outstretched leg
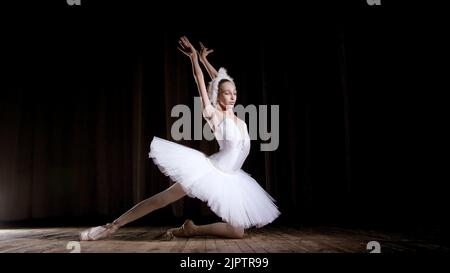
(220, 229)
(146, 206)
(155, 202)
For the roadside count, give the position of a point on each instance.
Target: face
(227, 95)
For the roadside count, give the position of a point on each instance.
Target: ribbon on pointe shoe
(97, 233)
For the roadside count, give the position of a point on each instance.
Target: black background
(360, 91)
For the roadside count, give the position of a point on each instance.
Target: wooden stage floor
(264, 240)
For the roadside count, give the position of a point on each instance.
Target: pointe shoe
(98, 233)
(183, 231)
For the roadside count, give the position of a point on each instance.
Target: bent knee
(237, 232)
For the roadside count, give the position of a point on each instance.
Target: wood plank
(267, 239)
(210, 245)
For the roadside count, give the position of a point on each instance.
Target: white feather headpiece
(213, 88)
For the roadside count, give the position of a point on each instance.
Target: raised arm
(204, 52)
(188, 49)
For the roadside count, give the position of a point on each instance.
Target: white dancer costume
(218, 179)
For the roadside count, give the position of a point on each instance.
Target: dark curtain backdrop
(80, 105)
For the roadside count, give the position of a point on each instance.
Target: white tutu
(233, 195)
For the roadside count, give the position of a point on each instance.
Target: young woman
(217, 179)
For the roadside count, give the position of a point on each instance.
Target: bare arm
(188, 49)
(204, 52)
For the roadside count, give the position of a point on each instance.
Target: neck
(227, 109)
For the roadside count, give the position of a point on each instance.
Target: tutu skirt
(235, 197)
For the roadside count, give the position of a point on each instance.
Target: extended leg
(155, 202)
(148, 205)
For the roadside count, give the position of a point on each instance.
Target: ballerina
(218, 179)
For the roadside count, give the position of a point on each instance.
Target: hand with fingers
(186, 47)
(204, 51)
